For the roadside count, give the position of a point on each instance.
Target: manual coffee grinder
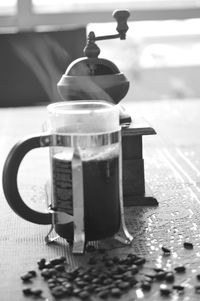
(91, 77)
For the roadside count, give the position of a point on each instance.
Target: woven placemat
(172, 172)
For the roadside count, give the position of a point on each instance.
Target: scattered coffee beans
(169, 277)
(32, 292)
(188, 245)
(28, 276)
(104, 277)
(160, 275)
(197, 289)
(27, 291)
(103, 294)
(180, 269)
(166, 251)
(146, 286)
(165, 290)
(115, 292)
(84, 295)
(179, 288)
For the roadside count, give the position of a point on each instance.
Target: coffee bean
(148, 278)
(133, 281)
(129, 261)
(109, 263)
(94, 272)
(103, 276)
(166, 251)
(52, 285)
(100, 288)
(139, 261)
(197, 289)
(48, 265)
(121, 269)
(84, 295)
(146, 285)
(60, 279)
(127, 275)
(27, 291)
(89, 288)
(52, 271)
(32, 292)
(103, 294)
(188, 245)
(180, 269)
(52, 280)
(41, 263)
(115, 259)
(117, 281)
(107, 281)
(57, 260)
(158, 270)
(68, 285)
(169, 277)
(36, 292)
(160, 276)
(132, 256)
(134, 269)
(26, 277)
(81, 272)
(67, 291)
(118, 276)
(59, 267)
(92, 260)
(46, 274)
(33, 273)
(76, 291)
(96, 281)
(115, 292)
(178, 287)
(87, 277)
(81, 283)
(58, 291)
(165, 290)
(124, 285)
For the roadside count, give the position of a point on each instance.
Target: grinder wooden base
(135, 191)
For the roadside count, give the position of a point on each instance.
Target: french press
(86, 199)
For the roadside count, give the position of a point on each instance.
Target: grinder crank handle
(121, 17)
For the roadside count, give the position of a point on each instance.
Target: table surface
(172, 171)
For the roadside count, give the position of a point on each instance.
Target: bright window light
(8, 7)
(46, 6)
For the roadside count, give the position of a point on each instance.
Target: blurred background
(39, 38)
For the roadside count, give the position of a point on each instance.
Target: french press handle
(10, 172)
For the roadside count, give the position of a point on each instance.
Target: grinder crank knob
(121, 17)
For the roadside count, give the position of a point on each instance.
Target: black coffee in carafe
(101, 194)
